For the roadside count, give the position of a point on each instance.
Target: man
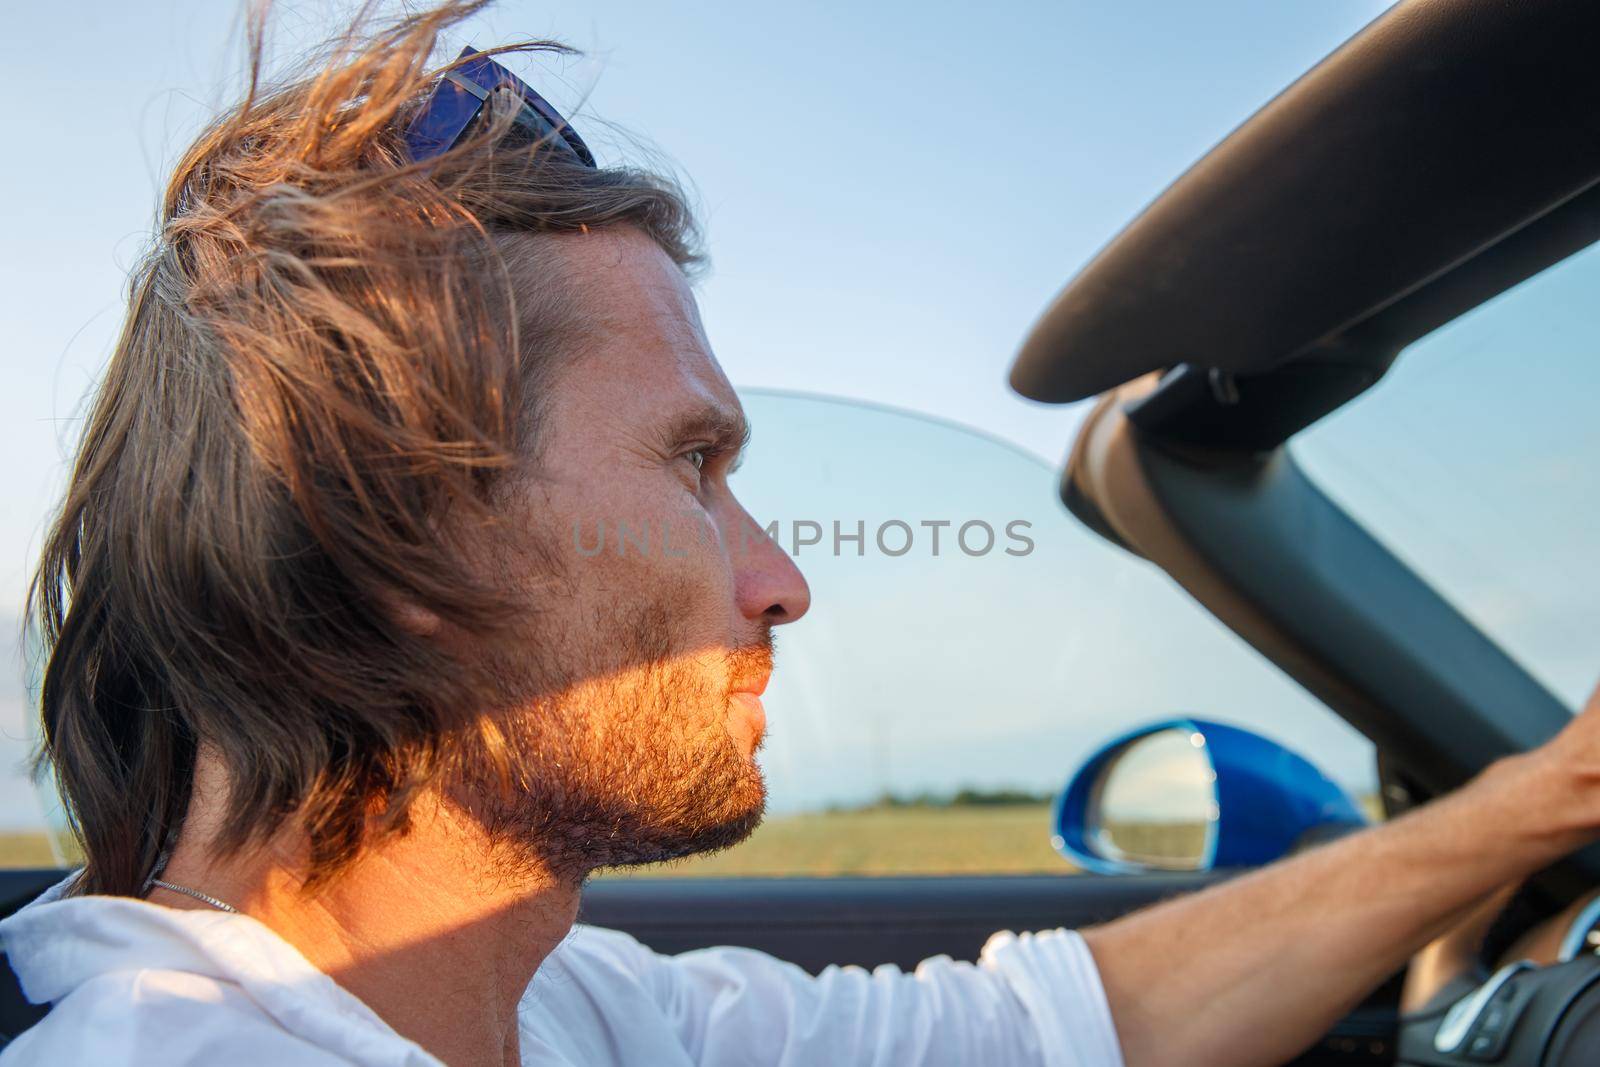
(345, 716)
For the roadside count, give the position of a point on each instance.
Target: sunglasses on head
(460, 96)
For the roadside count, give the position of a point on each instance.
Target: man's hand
(1253, 971)
(1559, 782)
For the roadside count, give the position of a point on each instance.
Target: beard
(621, 762)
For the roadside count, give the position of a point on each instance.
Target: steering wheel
(1512, 985)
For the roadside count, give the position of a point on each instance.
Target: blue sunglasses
(461, 94)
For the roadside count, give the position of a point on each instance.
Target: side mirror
(1191, 795)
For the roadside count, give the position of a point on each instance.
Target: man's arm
(1253, 971)
(1031, 1000)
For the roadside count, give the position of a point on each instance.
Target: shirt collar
(58, 942)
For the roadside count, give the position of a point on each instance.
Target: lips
(754, 686)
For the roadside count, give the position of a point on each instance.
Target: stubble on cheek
(610, 745)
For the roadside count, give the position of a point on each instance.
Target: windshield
(917, 672)
(1473, 460)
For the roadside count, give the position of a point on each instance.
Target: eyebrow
(726, 430)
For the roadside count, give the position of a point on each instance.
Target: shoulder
(595, 948)
(155, 1016)
(601, 997)
(594, 957)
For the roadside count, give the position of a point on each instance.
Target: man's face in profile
(627, 715)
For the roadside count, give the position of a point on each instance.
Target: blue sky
(865, 243)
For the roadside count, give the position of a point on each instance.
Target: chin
(713, 825)
(578, 807)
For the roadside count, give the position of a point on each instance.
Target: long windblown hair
(326, 352)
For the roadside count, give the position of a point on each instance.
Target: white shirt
(137, 983)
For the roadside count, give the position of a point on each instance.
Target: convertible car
(1444, 155)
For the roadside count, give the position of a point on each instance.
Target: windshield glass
(1039, 648)
(1474, 461)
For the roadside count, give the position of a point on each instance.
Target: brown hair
(324, 353)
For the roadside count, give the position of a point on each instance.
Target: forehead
(643, 351)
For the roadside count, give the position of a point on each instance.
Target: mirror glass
(1155, 802)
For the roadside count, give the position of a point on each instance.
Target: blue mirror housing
(1267, 800)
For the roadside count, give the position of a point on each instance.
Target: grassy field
(1010, 839)
(25, 850)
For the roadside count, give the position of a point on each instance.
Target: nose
(768, 587)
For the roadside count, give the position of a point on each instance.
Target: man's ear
(410, 616)
(417, 620)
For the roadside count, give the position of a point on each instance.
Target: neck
(426, 929)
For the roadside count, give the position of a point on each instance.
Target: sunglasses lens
(459, 98)
(440, 122)
(538, 115)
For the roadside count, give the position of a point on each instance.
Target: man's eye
(697, 457)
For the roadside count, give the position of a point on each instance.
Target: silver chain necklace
(197, 895)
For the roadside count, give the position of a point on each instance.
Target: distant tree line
(961, 798)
